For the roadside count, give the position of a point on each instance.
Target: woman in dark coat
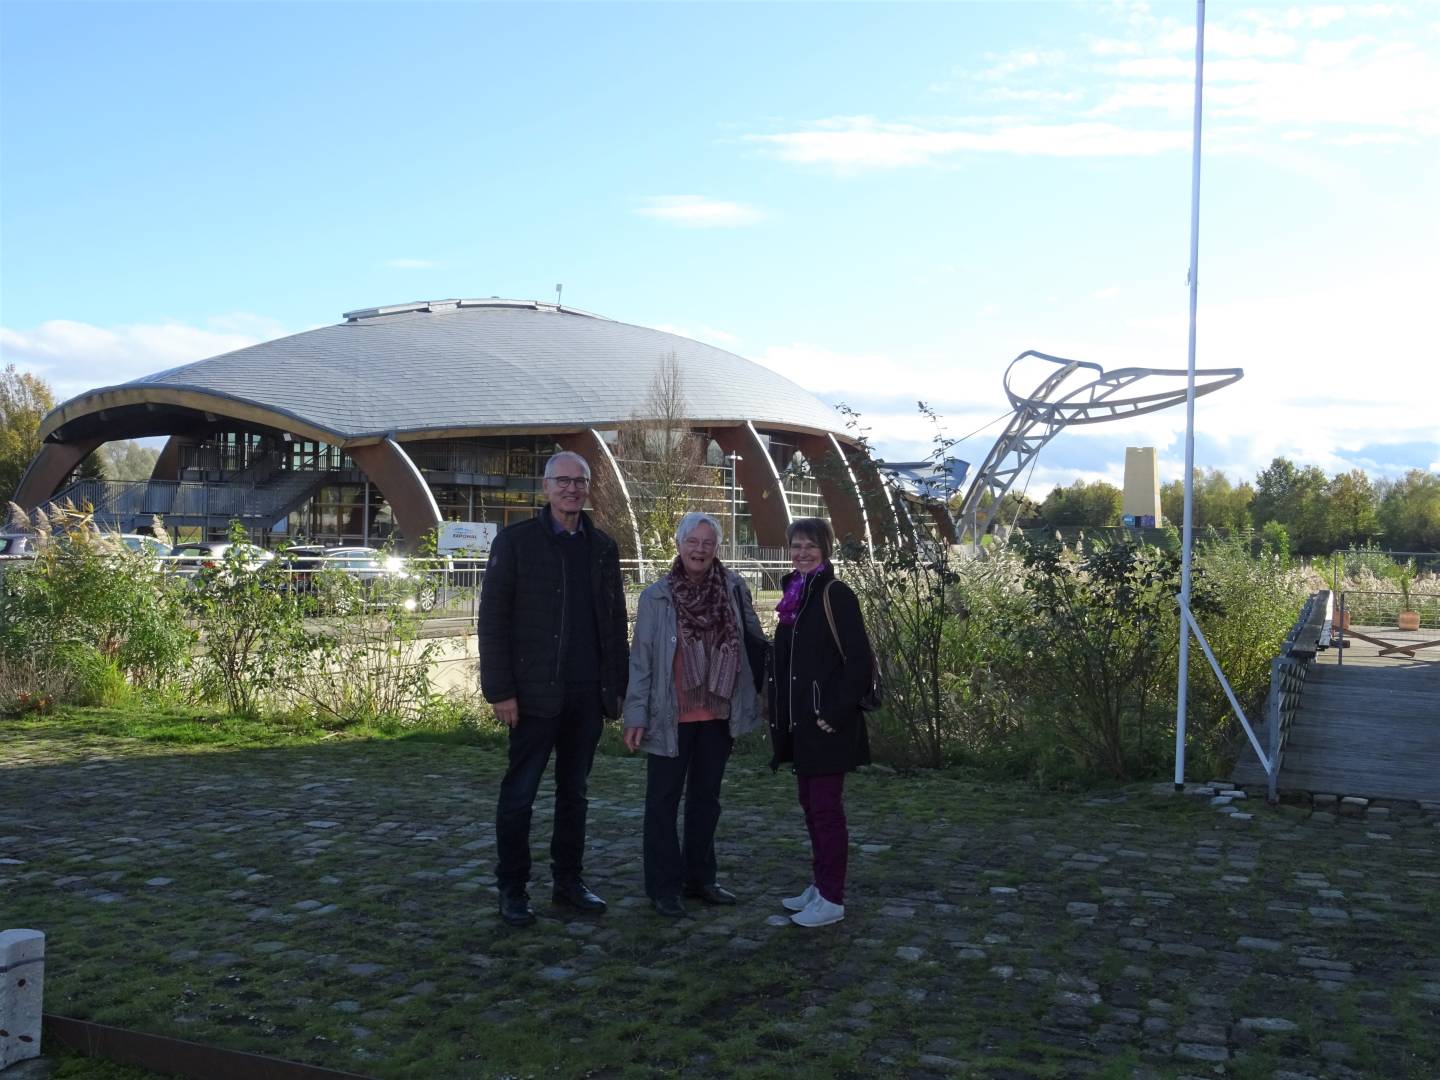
(815, 717)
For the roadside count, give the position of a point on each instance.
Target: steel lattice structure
(1041, 415)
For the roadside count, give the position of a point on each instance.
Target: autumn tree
(24, 401)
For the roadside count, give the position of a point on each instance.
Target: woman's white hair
(692, 521)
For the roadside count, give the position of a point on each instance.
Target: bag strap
(830, 618)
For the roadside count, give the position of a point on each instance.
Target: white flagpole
(1187, 535)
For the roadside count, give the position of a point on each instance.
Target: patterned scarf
(789, 605)
(709, 639)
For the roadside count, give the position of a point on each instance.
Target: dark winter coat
(522, 628)
(811, 682)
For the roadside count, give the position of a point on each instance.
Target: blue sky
(883, 202)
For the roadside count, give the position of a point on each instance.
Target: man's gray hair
(692, 521)
(565, 455)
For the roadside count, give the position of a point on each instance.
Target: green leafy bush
(370, 666)
(1256, 602)
(87, 617)
(253, 641)
(1097, 648)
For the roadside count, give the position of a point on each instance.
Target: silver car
(17, 546)
(191, 560)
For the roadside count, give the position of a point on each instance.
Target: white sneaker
(804, 900)
(820, 913)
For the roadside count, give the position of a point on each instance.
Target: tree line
(1317, 513)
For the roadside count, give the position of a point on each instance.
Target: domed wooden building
(399, 418)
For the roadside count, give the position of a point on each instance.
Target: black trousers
(696, 772)
(572, 734)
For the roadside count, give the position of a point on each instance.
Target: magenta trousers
(823, 799)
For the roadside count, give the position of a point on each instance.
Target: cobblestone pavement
(334, 904)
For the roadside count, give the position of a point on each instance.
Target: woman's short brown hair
(816, 529)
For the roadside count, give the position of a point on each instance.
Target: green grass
(222, 954)
(198, 728)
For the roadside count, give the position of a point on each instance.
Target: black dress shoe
(577, 896)
(669, 906)
(515, 907)
(710, 894)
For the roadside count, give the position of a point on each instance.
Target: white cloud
(821, 369)
(1220, 41)
(1337, 377)
(74, 357)
(698, 211)
(851, 142)
(1011, 64)
(406, 263)
(709, 334)
(1357, 74)
(1114, 47)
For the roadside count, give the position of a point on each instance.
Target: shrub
(370, 666)
(1256, 601)
(1096, 646)
(87, 616)
(253, 640)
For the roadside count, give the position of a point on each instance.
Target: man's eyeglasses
(569, 481)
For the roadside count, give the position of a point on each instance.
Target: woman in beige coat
(692, 692)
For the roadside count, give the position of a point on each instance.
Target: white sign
(466, 536)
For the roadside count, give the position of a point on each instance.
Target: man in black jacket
(554, 657)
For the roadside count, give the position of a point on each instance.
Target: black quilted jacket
(522, 628)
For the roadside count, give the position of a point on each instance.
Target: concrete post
(22, 980)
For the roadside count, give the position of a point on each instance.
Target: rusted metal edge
(162, 1054)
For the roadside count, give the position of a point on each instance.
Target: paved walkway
(334, 904)
(1369, 726)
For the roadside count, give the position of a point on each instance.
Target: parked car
(146, 544)
(380, 578)
(190, 560)
(17, 546)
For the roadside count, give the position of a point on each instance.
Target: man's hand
(633, 735)
(507, 712)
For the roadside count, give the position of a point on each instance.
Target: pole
(1187, 534)
(734, 498)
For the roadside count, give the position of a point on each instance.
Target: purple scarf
(709, 644)
(789, 605)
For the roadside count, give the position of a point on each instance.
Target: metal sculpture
(1040, 415)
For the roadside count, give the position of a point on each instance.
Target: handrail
(1288, 672)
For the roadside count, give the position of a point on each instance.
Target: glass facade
(490, 479)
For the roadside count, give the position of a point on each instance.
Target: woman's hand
(633, 735)
(823, 726)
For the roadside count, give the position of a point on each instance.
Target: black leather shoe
(575, 894)
(669, 906)
(710, 894)
(515, 907)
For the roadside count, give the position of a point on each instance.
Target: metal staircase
(254, 500)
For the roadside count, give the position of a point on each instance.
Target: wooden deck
(1369, 727)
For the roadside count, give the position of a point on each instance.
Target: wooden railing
(1288, 671)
